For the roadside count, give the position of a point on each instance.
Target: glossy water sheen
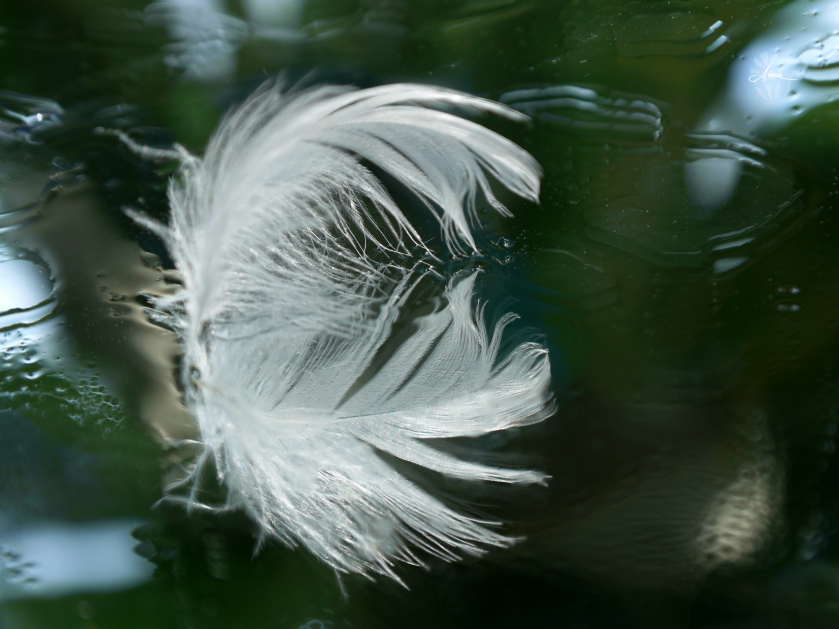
(682, 266)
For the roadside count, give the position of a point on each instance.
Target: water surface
(681, 267)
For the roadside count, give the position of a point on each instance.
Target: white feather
(283, 311)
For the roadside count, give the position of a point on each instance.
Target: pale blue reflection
(23, 285)
(277, 13)
(715, 165)
(34, 341)
(723, 265)
(786, 70)
(789, 69)
(54, 559)
(205, 38)
(25, 295)
(711, 181)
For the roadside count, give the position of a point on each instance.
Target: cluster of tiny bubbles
(32, 378)
(39, 368)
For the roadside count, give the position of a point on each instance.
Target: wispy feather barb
(283, 312)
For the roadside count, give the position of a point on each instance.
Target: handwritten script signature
(767, 74)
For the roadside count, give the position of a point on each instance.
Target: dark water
(681, 266)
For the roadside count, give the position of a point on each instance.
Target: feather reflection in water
(283, 310)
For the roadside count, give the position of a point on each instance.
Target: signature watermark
(769, 82)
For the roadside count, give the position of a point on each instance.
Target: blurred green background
(681, 267)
